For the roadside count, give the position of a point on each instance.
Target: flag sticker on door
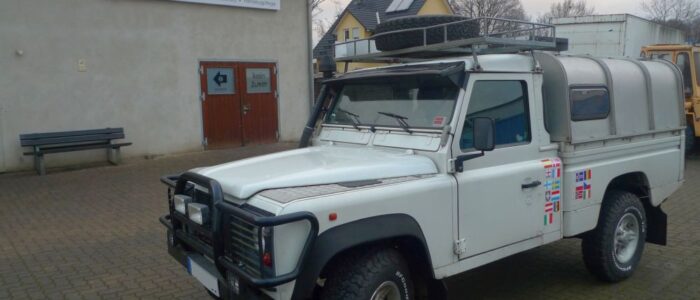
(583, 184)
(552, 189)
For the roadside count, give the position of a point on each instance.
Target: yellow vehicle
(687, 58)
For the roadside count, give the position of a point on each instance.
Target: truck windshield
(417, 101)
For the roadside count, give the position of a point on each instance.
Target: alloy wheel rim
(626, 238)
(388, 290)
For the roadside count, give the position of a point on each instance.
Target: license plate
(203, 276)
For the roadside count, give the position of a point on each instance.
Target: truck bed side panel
(588, 172)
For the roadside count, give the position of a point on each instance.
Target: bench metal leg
(39, 164)
(114, 156)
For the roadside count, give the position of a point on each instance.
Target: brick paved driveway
(94, 233)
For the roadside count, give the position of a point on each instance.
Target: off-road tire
(689, 139)
(401, 40)
(359, 274)
(598, 245)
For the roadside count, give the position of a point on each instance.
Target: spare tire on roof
(401, 40)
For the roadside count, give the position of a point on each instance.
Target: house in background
(360, 18)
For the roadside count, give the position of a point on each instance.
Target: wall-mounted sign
(220, 81)
(260, 4)
(258, 81)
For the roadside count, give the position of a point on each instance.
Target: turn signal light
(267, 259)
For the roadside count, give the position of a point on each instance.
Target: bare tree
(567, 8)
(503, 9)
(685, 11)
(316, 6)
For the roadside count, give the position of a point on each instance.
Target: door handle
(246, 108)
(530, 185)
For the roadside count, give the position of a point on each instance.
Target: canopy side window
(589, 103)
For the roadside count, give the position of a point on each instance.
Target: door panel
(259, 102)
(504, 196)
(221, 108)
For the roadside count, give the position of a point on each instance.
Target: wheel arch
(637, 183)
(392, 228)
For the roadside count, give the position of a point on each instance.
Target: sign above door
(260, 4)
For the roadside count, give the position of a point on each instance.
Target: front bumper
(177, 250)
(182, 245)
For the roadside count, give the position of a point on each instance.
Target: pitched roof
(365, 11)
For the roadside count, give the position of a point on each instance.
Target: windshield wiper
(399, 119)
(354, 117)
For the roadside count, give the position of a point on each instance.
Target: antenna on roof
(379, 21)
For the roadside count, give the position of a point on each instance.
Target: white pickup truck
(415, 172)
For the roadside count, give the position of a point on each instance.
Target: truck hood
(314, 166)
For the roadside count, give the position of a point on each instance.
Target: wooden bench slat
(31, 136)
(78, 148)
(72, 139)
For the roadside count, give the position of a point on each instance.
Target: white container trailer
(614, 35)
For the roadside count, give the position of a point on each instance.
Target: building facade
(619, 35)
(178, 76)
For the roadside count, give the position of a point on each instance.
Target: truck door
(505, 196)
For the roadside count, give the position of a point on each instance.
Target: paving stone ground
(94, 233)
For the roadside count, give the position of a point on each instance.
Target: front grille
(244, 245)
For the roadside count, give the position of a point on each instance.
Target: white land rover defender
(451, 158)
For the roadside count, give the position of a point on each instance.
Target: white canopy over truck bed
(608, 116)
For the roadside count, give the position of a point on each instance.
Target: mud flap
(656, 225)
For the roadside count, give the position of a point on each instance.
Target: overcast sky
(534, 8)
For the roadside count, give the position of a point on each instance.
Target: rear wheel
(613, 250)
(378, 274)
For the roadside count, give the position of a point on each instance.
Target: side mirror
(484, 133)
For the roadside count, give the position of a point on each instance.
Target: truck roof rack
(495, 36)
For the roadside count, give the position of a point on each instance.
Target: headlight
(180, 202)
(198, 213)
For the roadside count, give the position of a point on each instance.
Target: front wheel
(612, 251)
(379, 274)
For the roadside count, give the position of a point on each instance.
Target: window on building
(589, 103)
(356, 33)
(399, 5)
(683, 63)
(506, 103)
(346, 34)
(697, 67)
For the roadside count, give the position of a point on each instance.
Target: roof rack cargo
(495, 35)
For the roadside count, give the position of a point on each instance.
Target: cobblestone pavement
(93, 233)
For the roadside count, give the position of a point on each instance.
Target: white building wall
(142, 69)
(613, 35)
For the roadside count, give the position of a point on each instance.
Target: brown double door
(239, 103)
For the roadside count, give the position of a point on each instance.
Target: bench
(67, 141)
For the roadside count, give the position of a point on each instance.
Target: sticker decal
(439, 121)
(583, 184)
(552, 189)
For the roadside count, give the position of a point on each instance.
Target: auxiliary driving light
(180, 202)
(199, 213)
